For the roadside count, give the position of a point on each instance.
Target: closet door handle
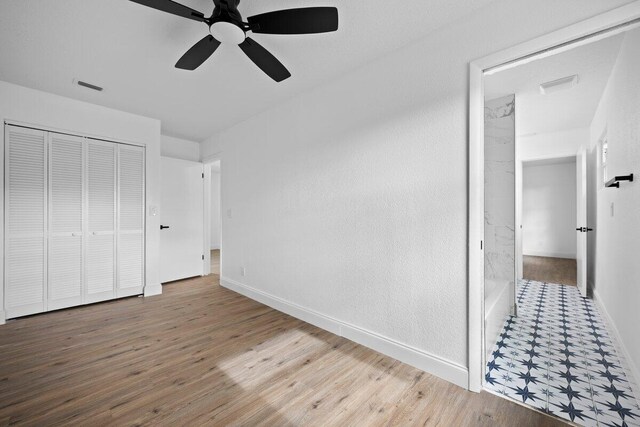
(162, 227)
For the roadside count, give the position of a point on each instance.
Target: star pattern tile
(557, 356)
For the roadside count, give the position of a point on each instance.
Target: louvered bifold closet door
(101, 221)
(25, 230)
(66, 180)
(130, 236)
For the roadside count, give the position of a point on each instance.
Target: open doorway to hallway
(551, 223)
(215, 223)
(547, 222)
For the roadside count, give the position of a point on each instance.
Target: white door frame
(615, 21)
(520, 163)
(217, 157)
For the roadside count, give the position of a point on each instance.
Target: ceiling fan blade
(264, 60)
(172, 7)
(199, 53)
(307, 20)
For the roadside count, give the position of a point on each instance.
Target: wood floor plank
(200, 354)
(562, 271)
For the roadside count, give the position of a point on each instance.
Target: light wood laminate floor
(550, 270)
(215, 261)
(202, 355)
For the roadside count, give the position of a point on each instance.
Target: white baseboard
(152, 290)
(631, 366)
(3, 318)
(427, 362)
(551, 254)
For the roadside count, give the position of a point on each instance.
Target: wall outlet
(242, 271)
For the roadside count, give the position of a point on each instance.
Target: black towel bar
(615, 182)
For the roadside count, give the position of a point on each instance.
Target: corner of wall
(442, 368)
(152, 290)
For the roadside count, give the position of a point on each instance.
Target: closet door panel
(66, 191)
(130, 209)
(25, 221)
(101, 221)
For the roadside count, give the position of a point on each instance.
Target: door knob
(162, 227)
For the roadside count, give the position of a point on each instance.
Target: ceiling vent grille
(89, 85)
(559, 84)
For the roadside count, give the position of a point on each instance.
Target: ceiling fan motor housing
(225, 24)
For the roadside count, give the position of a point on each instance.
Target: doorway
(213, 217)
(548, 216)
(563, 353)
(215, 228)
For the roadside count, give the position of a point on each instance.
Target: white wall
(38, 108)
(179, 148)
(551, 145)
(617, 251)
(349, 202)
(549, 209)
(215, 208)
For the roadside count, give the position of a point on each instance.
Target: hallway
(550, 270)
(558, 356)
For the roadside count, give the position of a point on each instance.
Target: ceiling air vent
(88, 85)
(559, 84)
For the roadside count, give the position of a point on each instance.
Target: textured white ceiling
(568, 109)
(131, 50)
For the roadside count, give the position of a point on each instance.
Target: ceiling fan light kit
(226, 26)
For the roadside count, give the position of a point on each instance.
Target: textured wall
(618, 237)
(351, 199)
(179, 148)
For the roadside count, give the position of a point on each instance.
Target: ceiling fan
(226, 26)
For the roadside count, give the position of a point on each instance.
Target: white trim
(212, 158)
(551, 254)
(3, 318)
(207, 162)
(427, 362)
(206, 218)
(72, 133)
(630, 364)
(152, 290)
(552, 43)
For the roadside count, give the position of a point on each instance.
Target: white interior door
(581, 220)
(130, 221)
(66, 180)
(182, 219)
(101, 221)
(25, 224)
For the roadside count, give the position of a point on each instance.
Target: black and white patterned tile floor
(558, 357)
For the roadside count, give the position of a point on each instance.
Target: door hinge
(202, 175)
(480, 244)
(203, 257)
